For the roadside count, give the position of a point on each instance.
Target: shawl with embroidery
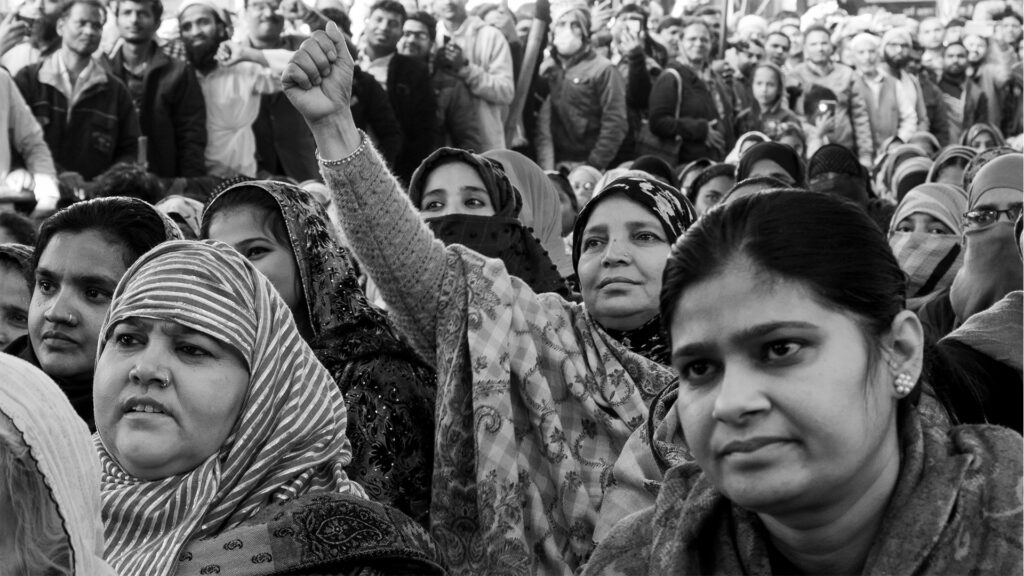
(318, 533)
(389, 392)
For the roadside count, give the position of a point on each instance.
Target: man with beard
(896, 46)
(406, 80)
(233, 77)
(748, 53)
(166, 94)
(966, 104)
(892, 111)
(29, 34)
(87, 115)
(986, 77)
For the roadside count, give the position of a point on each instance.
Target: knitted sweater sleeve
(398, 251)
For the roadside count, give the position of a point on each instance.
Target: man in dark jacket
(583, 120)
(87, 115)
(166, 94)
(406, 80)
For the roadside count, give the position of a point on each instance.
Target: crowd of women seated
(744, 374)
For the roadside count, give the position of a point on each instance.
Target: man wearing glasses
(456, 121)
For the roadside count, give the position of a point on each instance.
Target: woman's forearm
(385, 232)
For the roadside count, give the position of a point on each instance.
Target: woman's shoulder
(326, 533)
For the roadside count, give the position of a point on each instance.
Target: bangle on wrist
(346, 159)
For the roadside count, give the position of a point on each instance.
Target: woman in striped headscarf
(211, 408)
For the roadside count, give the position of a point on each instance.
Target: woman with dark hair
(80, 255)
(389, 392)
(815, 447)
(535, 395)
(710, 186)
(772, 159)
(49, 480)
(221, 436)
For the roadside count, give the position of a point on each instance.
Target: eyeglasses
(981, 218)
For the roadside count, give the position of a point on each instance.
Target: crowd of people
(382, 288)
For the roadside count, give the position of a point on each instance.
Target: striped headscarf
(289, 439)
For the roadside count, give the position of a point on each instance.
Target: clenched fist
(318, 79)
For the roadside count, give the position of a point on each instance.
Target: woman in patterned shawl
(212, 411)
(535, 398)
(389, 392)
(804, 401)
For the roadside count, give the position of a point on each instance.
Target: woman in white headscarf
(49, 479)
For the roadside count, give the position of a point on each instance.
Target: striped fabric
(58, 441)
(290, 436)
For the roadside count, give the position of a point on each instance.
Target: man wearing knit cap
(233, 77)
(583, 120)
(896, 46)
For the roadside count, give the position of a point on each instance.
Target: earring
(904, 384)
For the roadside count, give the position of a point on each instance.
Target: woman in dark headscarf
(983, 136)
(638, 331)
(690, 170)
(772, 159)
(950, 165)
(991, 267)
(468, 199)
(389, 392)
(834, 169)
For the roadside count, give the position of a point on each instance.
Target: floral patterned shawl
(535, 400)
(389, 391)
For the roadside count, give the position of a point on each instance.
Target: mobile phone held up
(827, 107)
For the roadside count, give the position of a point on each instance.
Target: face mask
(992, 269)
(567, 42)
(930, 262)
